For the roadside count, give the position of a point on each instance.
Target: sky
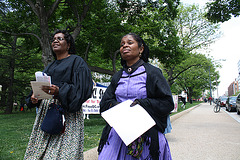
(227, 47)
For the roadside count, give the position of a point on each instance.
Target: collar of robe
(134, 67)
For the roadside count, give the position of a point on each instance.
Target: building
(238, 79)
(233, 88)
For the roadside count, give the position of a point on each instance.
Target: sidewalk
(93, 155)
(204, 135)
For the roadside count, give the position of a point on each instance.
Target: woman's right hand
(34, 100)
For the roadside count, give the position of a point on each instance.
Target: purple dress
(132, 86)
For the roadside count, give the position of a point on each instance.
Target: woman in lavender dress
(145, 85)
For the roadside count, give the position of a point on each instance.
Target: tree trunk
(170, 77)
(47, 56)
(3, 100)
(114, 61)
(190, 93)
(9, 108)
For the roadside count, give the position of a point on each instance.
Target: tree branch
(19, 34)
(101, 70)
(53, 8)
(179, 73)
(33, 6)
(86, 7)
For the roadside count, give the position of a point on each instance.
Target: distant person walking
(183, 99)
(210, 100)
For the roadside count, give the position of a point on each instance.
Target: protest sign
(175, 101)
(91, 106)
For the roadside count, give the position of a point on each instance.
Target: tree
(44, 10)
(18, 20)
(222, 10)
(28, 20)
(97, 27)
(195, 80)
(193, 32)
(14, 60)
(156, 26)
(108, 24)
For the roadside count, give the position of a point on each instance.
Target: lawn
(15, 130)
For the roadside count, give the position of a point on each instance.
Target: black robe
(158, 104)
(74, 80)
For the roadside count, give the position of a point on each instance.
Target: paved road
(204, 135)
(200, 134)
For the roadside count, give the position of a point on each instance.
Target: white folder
(128, 122)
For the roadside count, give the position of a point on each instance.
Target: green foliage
(195, 79)
(222, 10)
(21, 60)
(97, 30)
(194, 30)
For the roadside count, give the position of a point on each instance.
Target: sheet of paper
(42, 77)
(37, 90)
(129, 122)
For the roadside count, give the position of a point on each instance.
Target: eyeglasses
(58, 39)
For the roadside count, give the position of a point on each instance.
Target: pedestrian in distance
(71, 86)
(210, 100)
(183, 99)
(145, 85)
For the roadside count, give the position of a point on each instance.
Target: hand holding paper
(129, 122)
(41, 80)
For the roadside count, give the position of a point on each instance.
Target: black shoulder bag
(53, 122)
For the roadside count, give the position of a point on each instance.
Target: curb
(178, 115)
(92, 154)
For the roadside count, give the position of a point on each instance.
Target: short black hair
(140, 41)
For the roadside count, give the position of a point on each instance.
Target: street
(202, 134)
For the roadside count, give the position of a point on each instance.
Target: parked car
(231, 103)
(222, 101)
(238, 104)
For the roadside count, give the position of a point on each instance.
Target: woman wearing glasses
(71, 86)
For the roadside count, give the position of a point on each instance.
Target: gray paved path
(204, 135)
(200, 134)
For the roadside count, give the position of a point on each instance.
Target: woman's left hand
(52, 90)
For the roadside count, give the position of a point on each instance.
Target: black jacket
(158, 104)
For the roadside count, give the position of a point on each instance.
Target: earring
(140, 54)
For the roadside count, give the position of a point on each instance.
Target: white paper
(42, 77)
(128, 122)
(37, 90)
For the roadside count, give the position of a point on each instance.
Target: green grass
(188, 105)
(92, 131)
(15, 130)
